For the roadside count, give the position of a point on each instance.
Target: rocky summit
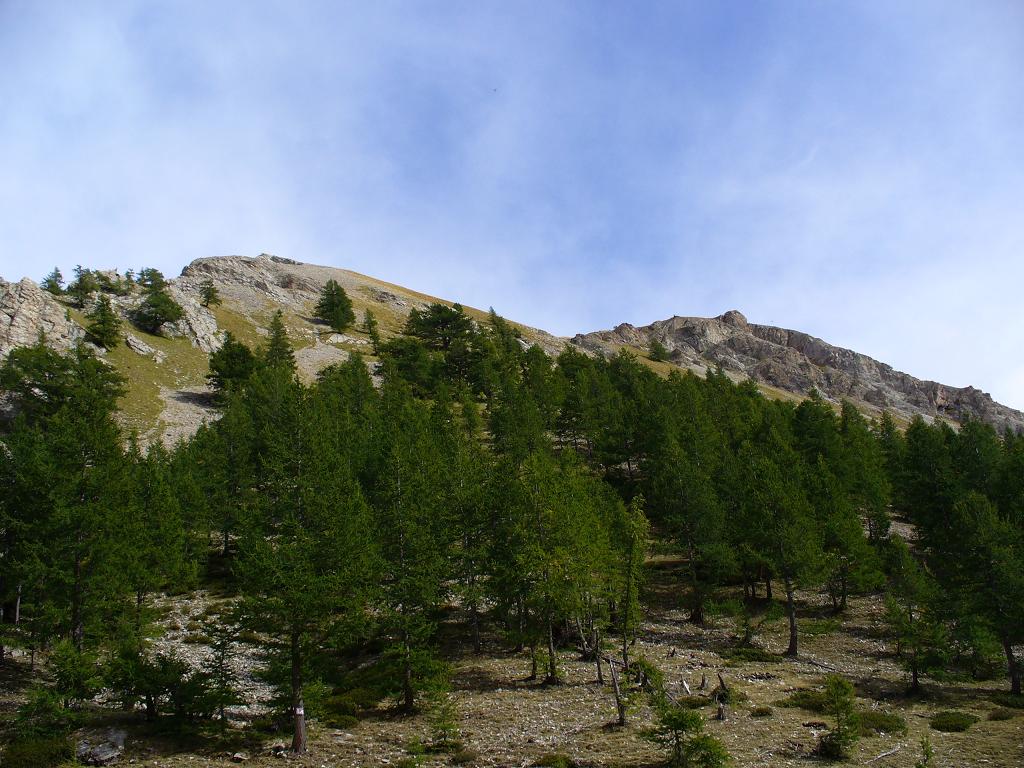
(797, 362)
(168, 398)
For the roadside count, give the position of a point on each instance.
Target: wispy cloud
(853, 170)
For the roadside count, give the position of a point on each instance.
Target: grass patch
(555, 760)
(818, 627)
(693, 702)
(762, 712)
(38, 752)
(875, 721)
(952, 721)
(812, 701)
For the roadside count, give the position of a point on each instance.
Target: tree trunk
(298, 708)
(597, 655)
(408, 695)
(1012, 667)
(77, 622)
(620, 705)
(915, 682)
(533, 661)
(552, 658)
(768, 588)
(791, 613)
(475, 613)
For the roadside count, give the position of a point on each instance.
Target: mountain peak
(734, 318)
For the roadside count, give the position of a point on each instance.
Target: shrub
(951, 721)
(1008, 700)
(76, 675)
(465, 756)
(249, 636)
(762, 712)
(1003, 713)
(38, 752)
(680, 730)
(44, 714)
(874, 721)
(838, 696)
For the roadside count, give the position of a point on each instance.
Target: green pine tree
(335, 307)
(209, 295)
(104, 327)
(54, 282)
(278, 351)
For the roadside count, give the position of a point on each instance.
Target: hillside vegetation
(476, 552)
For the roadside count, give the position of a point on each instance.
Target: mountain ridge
(797, 362)
(168, 396)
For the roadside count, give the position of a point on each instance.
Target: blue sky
(850, 169)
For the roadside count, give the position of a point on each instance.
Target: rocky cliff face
(26, 311)
(797, 362)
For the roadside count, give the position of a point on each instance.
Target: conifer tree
(304, 559)
(209, 295)
(157, 307)
(278, 351)
(335, 307)
(657, 351)
(372, 329)
(412, 531)
(83, 286)
(104, 326)
(230, 366)
(781, 519)
(54, 282)
(910, 611)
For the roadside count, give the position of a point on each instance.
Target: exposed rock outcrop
(26, 311)
(797, 362)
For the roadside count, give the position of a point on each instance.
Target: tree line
(472, 470)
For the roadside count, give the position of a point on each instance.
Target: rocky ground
(506, 721)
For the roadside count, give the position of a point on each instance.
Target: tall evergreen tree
(54, 282)
(335, 307)
(104, 326)
(278, 351)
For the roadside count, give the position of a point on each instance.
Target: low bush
(1003, 713)
(951, 721)
(249, 636)
(875, 721)
(465, 756)
(812, 701)
(762, 712)
(44, 714)
(38, 752)
(340, 721)
(1008, 700)
(752, 653)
